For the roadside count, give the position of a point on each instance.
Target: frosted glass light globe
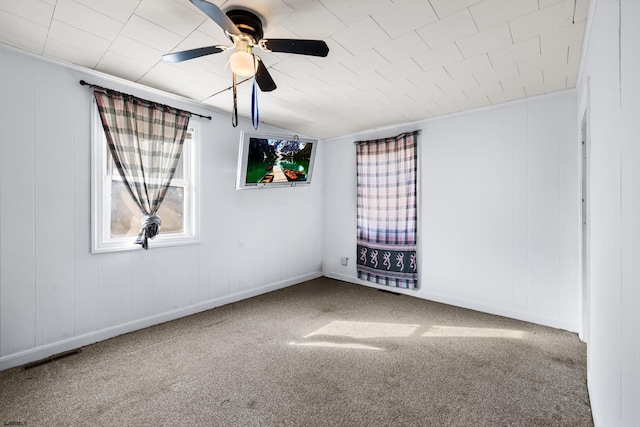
(243, 63)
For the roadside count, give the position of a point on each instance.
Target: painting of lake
(277, 160)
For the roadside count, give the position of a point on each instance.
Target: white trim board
(512, 314)
(38, 353)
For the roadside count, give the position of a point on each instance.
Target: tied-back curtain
(145, 140)
(387, 210)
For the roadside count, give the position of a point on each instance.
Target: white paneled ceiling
(390, 61)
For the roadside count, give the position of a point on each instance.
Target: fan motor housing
(247, 22)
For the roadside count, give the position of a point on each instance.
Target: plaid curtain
(145, 140)
(387, 210)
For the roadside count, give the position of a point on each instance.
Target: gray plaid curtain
(145, 140)
(387, 210)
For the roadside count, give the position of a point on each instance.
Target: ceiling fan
(244, 29)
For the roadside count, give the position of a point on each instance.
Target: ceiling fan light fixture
(243, 63)
(245, 29)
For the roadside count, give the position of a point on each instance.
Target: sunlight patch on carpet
(464, 332)
(361, 330)
(355, 346)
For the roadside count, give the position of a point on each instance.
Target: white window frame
(101, 178)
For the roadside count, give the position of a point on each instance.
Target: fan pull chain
(255, 112)
(234, 116)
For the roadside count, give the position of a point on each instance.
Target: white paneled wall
(54, 294)
(499, 209)
(17, 225)
(610, 93)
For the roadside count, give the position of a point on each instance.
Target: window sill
(127, 244)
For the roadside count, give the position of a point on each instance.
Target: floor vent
(51, 359)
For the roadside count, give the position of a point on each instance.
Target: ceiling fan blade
(219, 17)
(192, 53)
(302, 47)
(263, 78)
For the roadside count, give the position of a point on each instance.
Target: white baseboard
(41, 352)
(499, 311)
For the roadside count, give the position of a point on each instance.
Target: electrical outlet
(344, 260)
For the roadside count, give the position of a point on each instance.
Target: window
(115, 217)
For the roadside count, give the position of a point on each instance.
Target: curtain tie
(148, 230)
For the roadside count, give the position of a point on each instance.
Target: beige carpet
(322, 353)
